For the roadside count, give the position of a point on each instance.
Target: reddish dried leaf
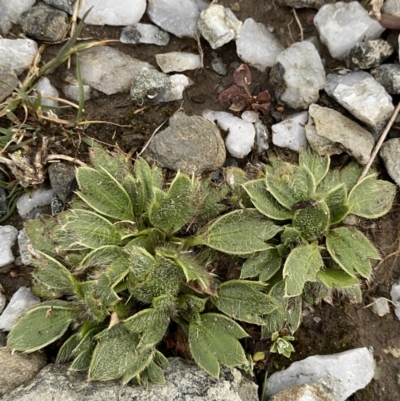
(262, 107)
(242, 76)
(263, 97)
(229, 94)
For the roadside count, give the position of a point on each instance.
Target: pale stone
(29, 203)
(10, 11)
(8, 235)
(70, 88)
(178, 17)
(111, 12)
(342, 25)
(45, 88)
(144, 33)
(380, 306)
(17, 54)
(390, 154)
(291, 132)
(65, 5)
(388, 75)
(179, 82)
(395, 294)
(218, 25)
(257, 46)
(305, 392)
(362, 96)
(8, 81)
(391, 7)
(178, 61)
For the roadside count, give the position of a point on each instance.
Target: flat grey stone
(18, 368)
(388, 75)
(17, 53)
(45, 23)
(369, 54)
(343, 373)
(10, 12)
(178, 61)
(190, 144)
(62, 179)
(24, 243)
(298, 75)
(290, 133)
(184, 381)
(329, 132)
(65, 5)
(8, 80)
(144, 33)
(390, 154)
(148, 84)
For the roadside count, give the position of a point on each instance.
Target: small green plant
(282, 344)
(119, 267)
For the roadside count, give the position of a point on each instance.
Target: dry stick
(68, 158)
(298, 23)
(379, 143)
(152, 136)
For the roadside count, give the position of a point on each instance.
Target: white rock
(11, 11)
(17, 53)
(218, 25)
(291, 133)
(250, 116)
(144, 33)
(109, 70)
(3, 301)
(261, 130)
(329, 132)
(344, 373)
(298, 75)
(45, 88)
(342, 25)
(201, 4)
(395, 294)
(20, 302)
(70, 87)
(240, 139)
(362, 96)
(28, 203)
(380, 306)
(8, 235)
(178, 84)
(178, 61)
(111, 12)
(256, 45)
(178, 17)
(391, 7)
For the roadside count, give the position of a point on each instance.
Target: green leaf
(65, 353)
(371, 198)
(84, 351)
(115, 165)
(42, 325)
(337, 278)
(213, 341)
(170, 211)
(312, 221)
(155, 374)
(336, 200)
(291, 185)
(317, 165)
(40, 233)
(264, 202)
(351, 250)
(104, 194)
(239, 233)
(350, 174)
(265, 265)
(244, 300)
(94, 301)
(330, 181)
(302, 265)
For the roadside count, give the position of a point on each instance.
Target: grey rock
(62, 179)
(388, 75)
(395, 295)
(144, 33)
(45, 23)
(184, 381)
(390, 154)
(57, 205)
(218, 25)
(329, 132)
(304, 3)
(65, 5)
(218, 65)
(369, 54)
(147, 84)
(391, 7)
(3, 301)
(19, 303)
(362, 96)
(298, 75)
(18, 368)
(8, 235)
(11, 11)
(342, 25)
(8, 80)
(24, 244)
(178, 61)
(70, 87)
(28, 204)
(178, 84)
(291, 133)
(190, 144)
(380, 306)
(109, 70)
(304, 392)
(344, 373)
(257, 46)
(316, 42)
(45, 88)
(178, 17)
(17, 54)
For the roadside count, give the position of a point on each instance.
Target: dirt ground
(342, 326)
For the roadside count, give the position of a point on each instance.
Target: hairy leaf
(336, 200)
(264, 265)
(291, 184)
(329, 182)
(371, 198)
(170, 211)
(40, 233)
(316, 164)
(104, 194)
(337, 278)
(113, 164)
(42, 325)
(240, 232)
(350, 174)
(302, 265)
(94, 299)
(264, 202)
(213, 340)
(65, 353)
(351, 250)
(244, 300)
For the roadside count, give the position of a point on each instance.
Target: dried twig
(379, 143)
(68, 158)
(296, 17)
(152, 136)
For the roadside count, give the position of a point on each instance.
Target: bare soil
(343, 325)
